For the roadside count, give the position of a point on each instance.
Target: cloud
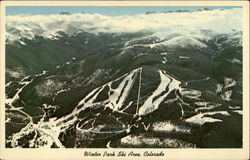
(162, 24)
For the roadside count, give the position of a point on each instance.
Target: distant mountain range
(197, 10)
(154, 12)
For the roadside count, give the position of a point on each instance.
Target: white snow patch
(167, 142)
(182, 41)
(184, 57)
(46, 106)
(23, 43)
(139, 140)
(165, 60)
(229, 82)
(14, 73)
(63, 90)
(190, 93)
(207, 106)
(219, 88)
(10, 101)
(235, 61)
(164, 53)
(169, 127)
(226, 96)
(201, 117)
(108, 144)
(238, 111)
(7, 85)
(40, 74)
(141, 54)
(234, 107)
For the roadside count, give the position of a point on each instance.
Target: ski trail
(113, 102)
(166, 81)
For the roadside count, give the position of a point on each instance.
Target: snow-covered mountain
(163, 24)
(169, 80)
